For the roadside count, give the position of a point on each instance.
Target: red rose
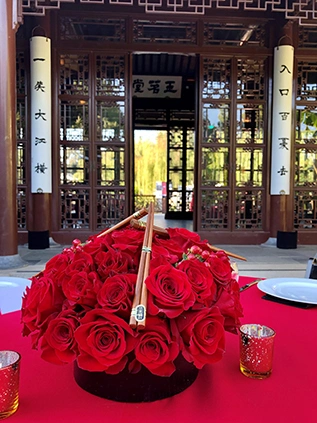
(170, 291)
(116, 294)
(82, 287)
(160, 253)
(222, 255)
(130, 241)
(95, 244)
(41, 300)
(57, 265)
(113, 262)
(156, 349)
(220, 269)
(104, 341)
(229, 305)
(81, 262)
(128, 236)
(58, 343)
(202, 335)
(201, 279)
(174, 250)
(184, 238)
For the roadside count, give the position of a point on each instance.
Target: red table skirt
(48, 393)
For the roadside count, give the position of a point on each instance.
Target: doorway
(164, 87)
(150, 169)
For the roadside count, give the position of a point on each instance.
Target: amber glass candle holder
(9, 382)
(256, 350)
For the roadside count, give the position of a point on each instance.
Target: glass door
(180, 172)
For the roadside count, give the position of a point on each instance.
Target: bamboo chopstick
(137, 307)
(215, 249)
(142, 225)
(137, 215)
(143, 301)
(163, 232)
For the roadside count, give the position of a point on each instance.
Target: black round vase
(139, 387)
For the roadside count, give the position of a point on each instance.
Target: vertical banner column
(282, 120)
(281, 140)
(41, 144)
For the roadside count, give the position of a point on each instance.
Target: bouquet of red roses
(78, 307)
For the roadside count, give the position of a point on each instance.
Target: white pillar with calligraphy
(41, 121)
(282, 120)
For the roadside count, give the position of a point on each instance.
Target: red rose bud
(76, 245)
(195, 249)
(191, 256)
(205, 254)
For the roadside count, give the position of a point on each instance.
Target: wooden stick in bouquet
(143, 301)
(215, 249)
(137, 215)
(163, 232)
(146, 251)
(156, 229)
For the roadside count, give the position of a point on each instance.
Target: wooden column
(8, 208)
(281, 217)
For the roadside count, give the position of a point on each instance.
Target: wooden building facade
(219, 128)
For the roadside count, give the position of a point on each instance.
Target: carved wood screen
(305, 194)
(233, 149)
(92, 116)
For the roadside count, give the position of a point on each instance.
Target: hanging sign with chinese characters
(282, 120)
(157, 86)
(41, 156)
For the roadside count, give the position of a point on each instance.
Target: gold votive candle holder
(9, 382)
(256, 350)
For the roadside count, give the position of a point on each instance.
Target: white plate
(11, 292)
(302, 290)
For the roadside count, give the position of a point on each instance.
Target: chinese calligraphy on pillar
(282, 120)
(157, 86)
(41, 156)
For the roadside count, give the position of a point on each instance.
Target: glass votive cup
(256, 350)
(9, 382)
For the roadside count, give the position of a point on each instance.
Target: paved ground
(262, 261)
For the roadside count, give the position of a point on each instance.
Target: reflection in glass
(74, 165)
(215, 208)
(250, 125)
(21, 171)
(216, 124)
(216, 78)
(74, 121)
(305, 209)
(110, 75)
(305, 167)
(74, 74)
(215, 167)
(306, 125)
(249, 165)
(307, 81)
(110, 166)
(110, 121)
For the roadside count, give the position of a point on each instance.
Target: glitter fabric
(9, 382)
(256, 350)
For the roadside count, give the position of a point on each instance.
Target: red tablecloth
(49, 394)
